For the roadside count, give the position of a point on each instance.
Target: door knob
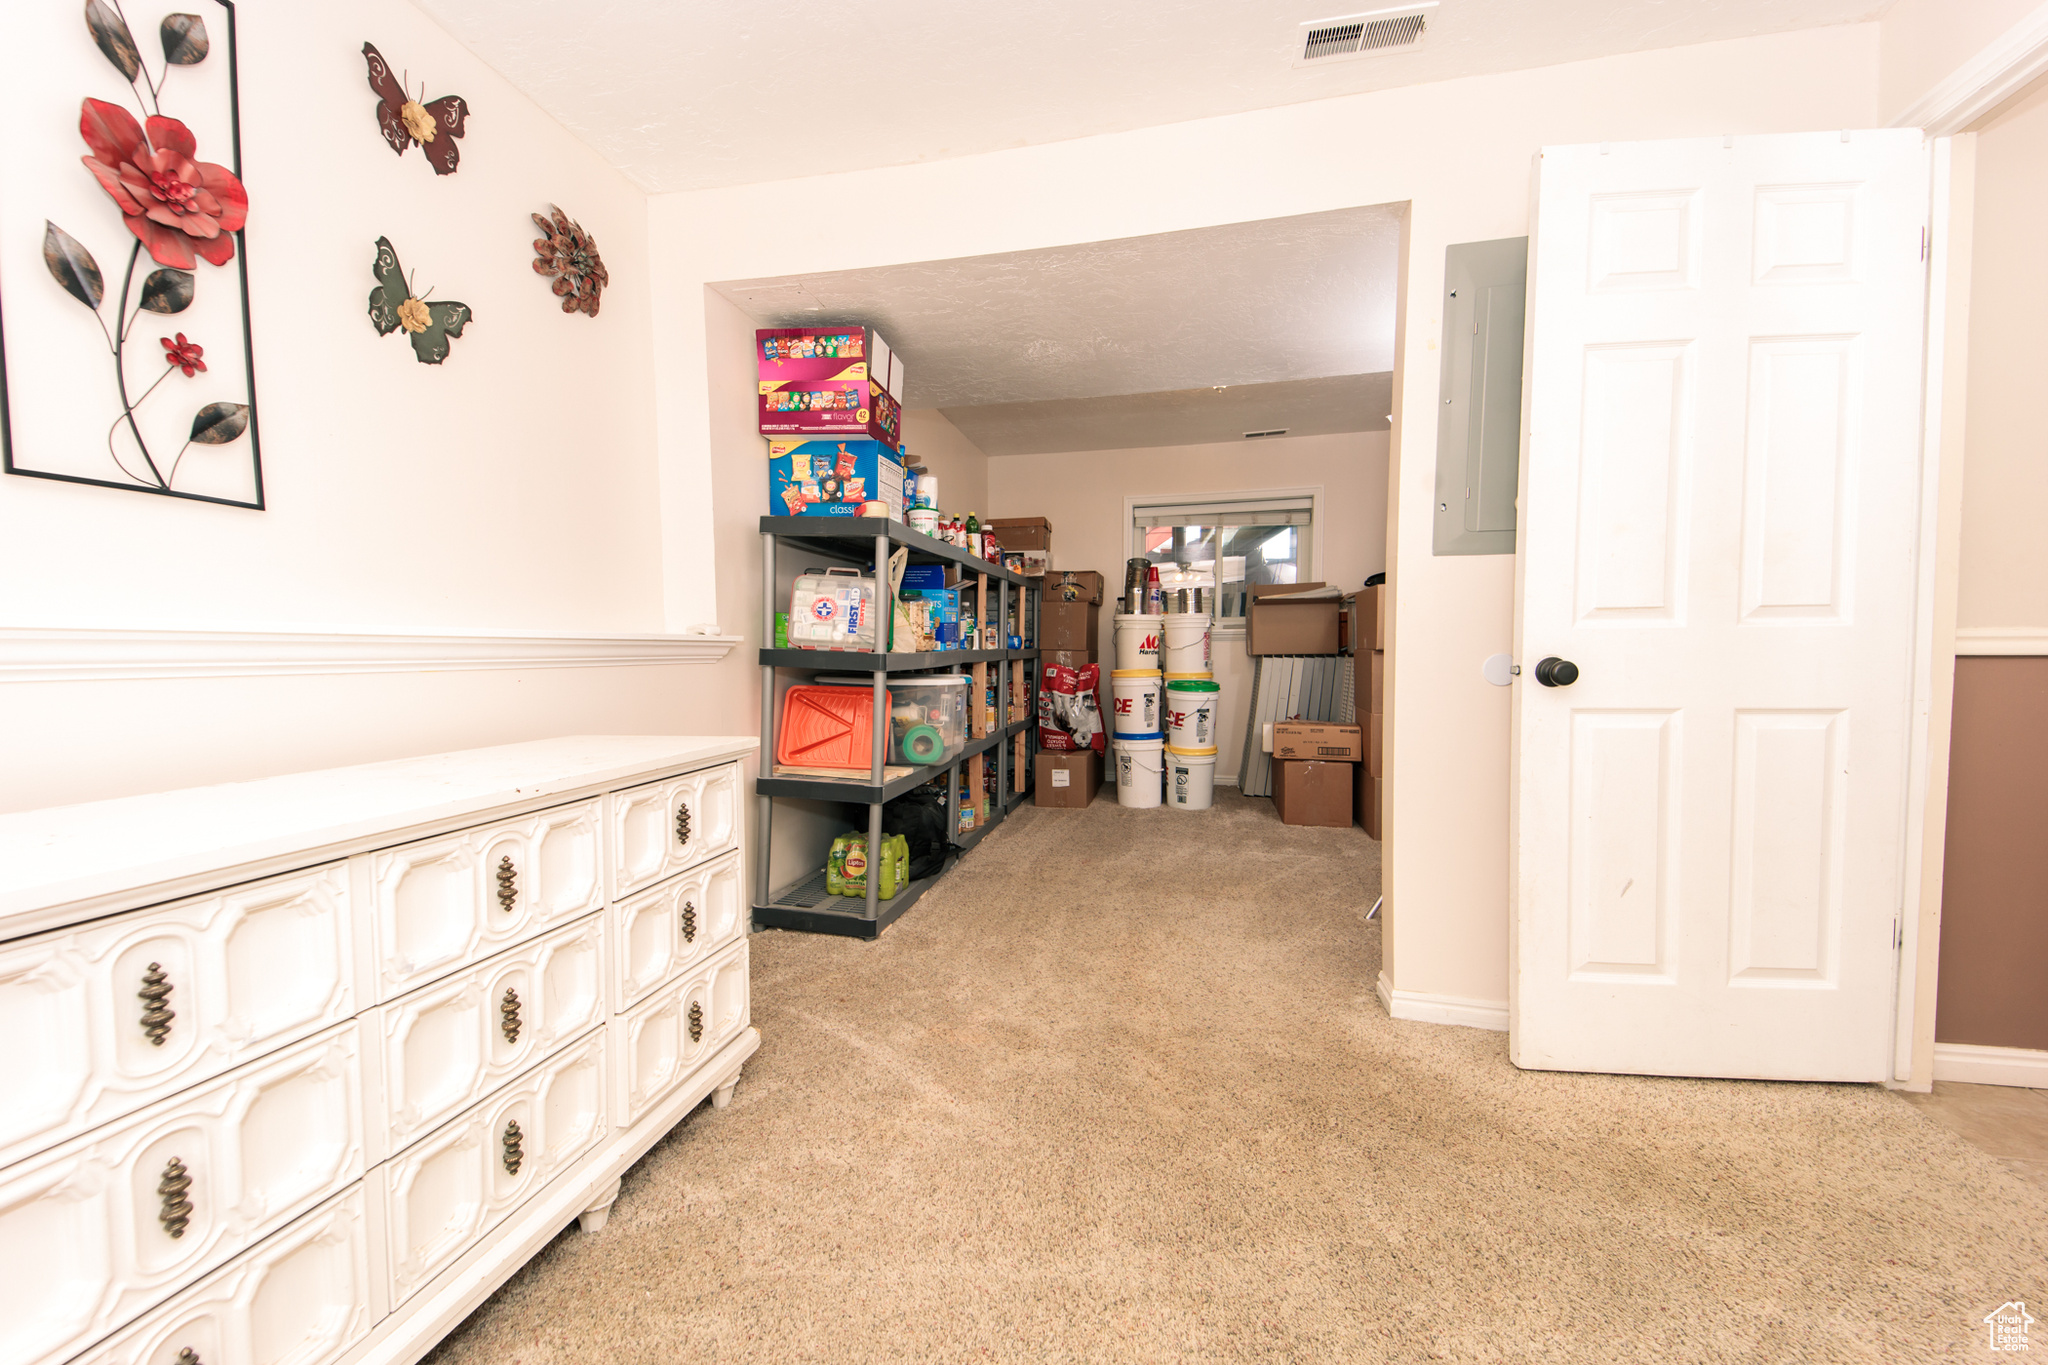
(1556, 672)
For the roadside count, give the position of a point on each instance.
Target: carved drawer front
(113, 1223)
(448, 1045)
(302, 1297)
(664, 929)
(464, 1179)
(661, 828)
(445, 902)
(98, 1021)
(682, 1026)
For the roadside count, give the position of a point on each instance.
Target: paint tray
(827, 727)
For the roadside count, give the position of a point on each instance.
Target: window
(1226, 544)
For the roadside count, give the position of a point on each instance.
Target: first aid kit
(835, 609)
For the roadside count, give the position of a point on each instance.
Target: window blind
(1262, 512)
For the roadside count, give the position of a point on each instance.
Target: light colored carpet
(1120, 1089)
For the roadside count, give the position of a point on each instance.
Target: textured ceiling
(1183, 417)
(690, 95)
(1305, 297)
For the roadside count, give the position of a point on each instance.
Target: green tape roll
(923, 744)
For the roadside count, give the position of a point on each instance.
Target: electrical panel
(1479, 421)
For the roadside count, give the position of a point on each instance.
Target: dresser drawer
(661, 828)
(660, 932)
(442, 903)
(113, 1223)
(462, 1180)
(446, 1046)
(101, 1020)
(302, 1297)
(682, 1026)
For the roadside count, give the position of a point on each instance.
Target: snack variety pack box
(829, 381)
(832, 478)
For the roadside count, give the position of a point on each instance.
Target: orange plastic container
(827, 727)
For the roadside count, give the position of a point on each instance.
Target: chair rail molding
(1988, 640)
(2000, 70)
(34, 654)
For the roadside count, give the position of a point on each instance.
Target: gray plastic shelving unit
(804, 904)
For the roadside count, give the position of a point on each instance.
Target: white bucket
(1137, 704)
(1187, 643)
(1137, 643)
(1140, 773)
(1190, 780)
(1191, 717)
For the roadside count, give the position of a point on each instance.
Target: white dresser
(303, 1069)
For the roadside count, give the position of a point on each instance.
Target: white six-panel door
(1720, 510)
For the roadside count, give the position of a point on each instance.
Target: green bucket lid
(1192, 685)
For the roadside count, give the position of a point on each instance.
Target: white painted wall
(2004, 570)
(1082, 494)
(957, 463)
(1460, 153)
(1922, 41)
(510, 489)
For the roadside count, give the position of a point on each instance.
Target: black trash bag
(919, 817)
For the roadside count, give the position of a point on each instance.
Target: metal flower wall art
(569, 254)
(394, 306)
(431, 125)
(149, 184)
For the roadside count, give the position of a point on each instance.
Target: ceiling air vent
(1254, 435)
(1374, 34)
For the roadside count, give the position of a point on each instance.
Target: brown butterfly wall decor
(433, 124)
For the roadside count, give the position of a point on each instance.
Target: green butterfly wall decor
(429, 326)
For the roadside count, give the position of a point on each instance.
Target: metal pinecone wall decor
(569, 254)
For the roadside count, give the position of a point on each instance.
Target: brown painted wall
(1994, 904)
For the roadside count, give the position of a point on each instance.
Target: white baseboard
(2023, 1066)
(1443, 1009)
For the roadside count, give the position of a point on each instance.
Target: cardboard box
(1313, 792)
(1366, 795)
(832, 478)
(1372, 617)
(1073, 585)
(1067, 658)
(1274, 625)
(937, 623)
(1068, 779)
(1022, 533)
(1369, 684)
(829, 381)
(1068, 625)
(1305, 739)
(1374, 723)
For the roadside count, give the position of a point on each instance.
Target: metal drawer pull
(508, 884)
(186, 1356)
(515, 1151)
(683, 822)
(696, 1021)
(176, 1212)
(156, 1017)
(689, 921)
(508, 1015)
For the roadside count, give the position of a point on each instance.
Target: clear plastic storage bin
(927, 714)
